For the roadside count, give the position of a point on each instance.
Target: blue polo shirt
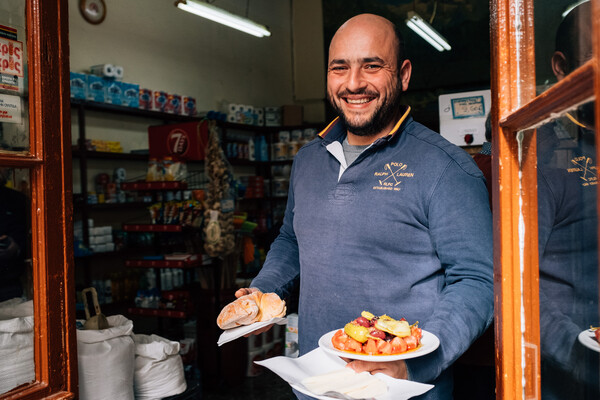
(405, 230)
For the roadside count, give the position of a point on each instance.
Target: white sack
(158, 368)
(16, 343)
(106, 361)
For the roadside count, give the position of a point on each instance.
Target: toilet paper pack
(96, 88)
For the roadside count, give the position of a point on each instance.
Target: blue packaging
(96, 88)
(131, 94)
(114, 92)
(78, 85)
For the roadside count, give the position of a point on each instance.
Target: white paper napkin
(234, 333)
(317, 362)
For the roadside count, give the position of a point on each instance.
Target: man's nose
(355, 80)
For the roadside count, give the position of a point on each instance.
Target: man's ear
(560, 65)
(405, 72)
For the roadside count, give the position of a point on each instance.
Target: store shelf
(152, 228)
(130, 111)
(156, 312)
(109, 155)
(167, 185)
(196, 261)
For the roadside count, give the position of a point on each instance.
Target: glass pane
(563, 39)
(16, 288)
(14, 110)
(568, 246)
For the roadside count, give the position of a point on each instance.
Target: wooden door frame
(516, 108)
(49, 161)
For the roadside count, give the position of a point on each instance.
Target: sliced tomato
(338, 340)
(398, 345)
(411, 342)
(416, 332)
(353, 345)
(370, 347)
(384, 347)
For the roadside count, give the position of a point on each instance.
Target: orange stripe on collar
(400, 121)
(324, 132)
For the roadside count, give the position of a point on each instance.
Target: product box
(131, 95)
(189, 106)
(173, 105)
(292, 115)
(78, 85)
(114, 92)
(186, 141)
(272, 116)
(96, 88)
(159, 100)
(146, 99)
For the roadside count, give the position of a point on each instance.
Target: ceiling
(466, 25)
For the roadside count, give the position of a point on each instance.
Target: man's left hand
(395, 369)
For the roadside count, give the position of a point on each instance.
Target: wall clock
(93, 11)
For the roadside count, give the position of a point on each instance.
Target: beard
(383, 115)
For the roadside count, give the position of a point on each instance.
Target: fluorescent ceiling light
(426, 31)
(221, 16)
(572, 6)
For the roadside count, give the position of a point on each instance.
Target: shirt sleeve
(460, 224)
(281, 270)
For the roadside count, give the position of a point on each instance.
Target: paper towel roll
(118, 72)
(106, 70)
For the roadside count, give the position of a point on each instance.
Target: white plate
(231, 334)
(588, 339)
(429, 342)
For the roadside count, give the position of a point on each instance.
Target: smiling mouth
(362, 100)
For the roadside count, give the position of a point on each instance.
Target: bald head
(370, 27)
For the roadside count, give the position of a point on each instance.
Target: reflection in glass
(563, 39)
(568, 246)
(14, 110)
(16, 306)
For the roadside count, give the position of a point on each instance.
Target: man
(384, 215)
(568, 225)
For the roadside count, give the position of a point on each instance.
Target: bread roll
(251, 308)
(239, 312)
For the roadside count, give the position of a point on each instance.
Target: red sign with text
(185, 141)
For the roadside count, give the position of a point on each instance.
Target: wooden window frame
(49, 163)
(516, 108)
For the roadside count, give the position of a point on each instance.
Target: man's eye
(372, 66)
(337, 69)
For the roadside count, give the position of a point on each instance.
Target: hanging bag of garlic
(219, 239)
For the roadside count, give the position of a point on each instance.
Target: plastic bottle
(264, 151)
(251, 150)
(168, 280)
(151, 278)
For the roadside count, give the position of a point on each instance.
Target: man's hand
(243, 292)
(395, 369)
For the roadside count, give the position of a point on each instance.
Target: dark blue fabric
(568, 248)
(406, 231)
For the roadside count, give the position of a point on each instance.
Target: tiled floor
(266, 386)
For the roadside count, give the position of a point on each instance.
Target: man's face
(363, 83)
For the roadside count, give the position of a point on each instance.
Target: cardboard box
(96, 88)
(78, 85)
(183, 142)
(131, 95)
(114, 92)
(292, 115)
